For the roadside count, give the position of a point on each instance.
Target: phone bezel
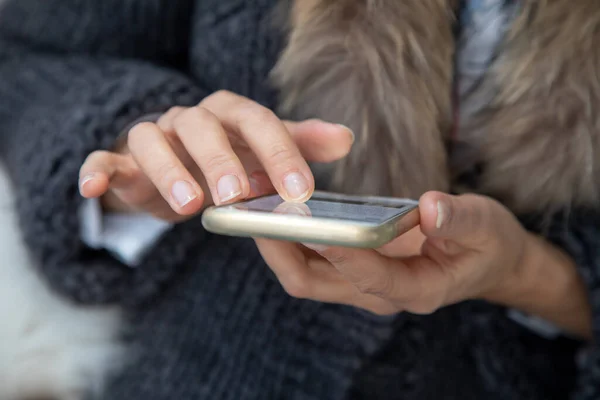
(226, 220)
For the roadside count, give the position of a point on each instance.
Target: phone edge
(351, 234)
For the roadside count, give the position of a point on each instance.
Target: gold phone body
(235, 220)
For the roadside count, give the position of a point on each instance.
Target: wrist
(546, 284)
(521, 280)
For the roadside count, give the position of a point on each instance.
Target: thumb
(465, 219)
(320, 141)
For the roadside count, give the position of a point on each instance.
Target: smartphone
(327, 218)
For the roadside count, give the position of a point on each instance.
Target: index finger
(270, 141)
(371, 272)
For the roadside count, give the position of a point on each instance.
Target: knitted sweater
(208, 319)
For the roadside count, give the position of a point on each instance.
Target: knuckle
(204, 113)
(172, 112)
(480, 217)
(167, 120)
(217, 97)
(251, 113)
(296, 285)
(191, 116)
(223, 93)
(280, 154)
(337, 257)
(425, 303)
(139, 133)
(262, 114)
(259, 115)
(97, 157)
(175, 109)
(378, 287)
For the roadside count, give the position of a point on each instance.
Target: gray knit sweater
(209, 321)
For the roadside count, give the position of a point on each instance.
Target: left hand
(468, 247)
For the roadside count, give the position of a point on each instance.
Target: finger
(205, 140)
(370, 272)
(152, 152)
(345, 292)
(269, 139)
(320, 141)
(465, 219)
(165, 122)
(406, 245)
(315, 279)
(104, 169)
(415, 284)
(290, 265)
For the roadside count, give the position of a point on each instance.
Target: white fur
(49, 348)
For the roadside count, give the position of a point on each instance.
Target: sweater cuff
(80, 106)
(127, 236)
(579, 235)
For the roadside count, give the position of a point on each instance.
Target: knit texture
(208, 318)
(71, 93)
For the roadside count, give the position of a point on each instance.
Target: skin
(466, 247)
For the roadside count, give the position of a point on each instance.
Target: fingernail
(296, 186)
(316, 247)
(443, 211)
(183, 192)
(350, 131)
(228, 188)
(85, 180)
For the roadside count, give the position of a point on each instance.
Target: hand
(225, 149)
(472, 247)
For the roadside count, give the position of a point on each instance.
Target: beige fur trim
(375, 66)
(384, 68)
(539, 138)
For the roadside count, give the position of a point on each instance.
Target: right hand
(225, 149)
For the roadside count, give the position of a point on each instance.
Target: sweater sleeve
(56, 107)
(578, 233)
(153, 30)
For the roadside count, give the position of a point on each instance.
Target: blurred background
(8, 228)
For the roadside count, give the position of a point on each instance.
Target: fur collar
(385, 69)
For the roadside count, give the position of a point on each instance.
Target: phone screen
(353, 208)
